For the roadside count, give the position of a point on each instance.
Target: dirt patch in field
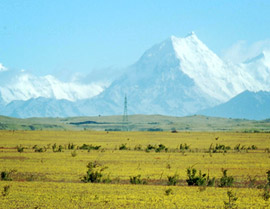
(7, 147)
(13, 158)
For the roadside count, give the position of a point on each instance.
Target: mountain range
(251, 105)
(179, 77)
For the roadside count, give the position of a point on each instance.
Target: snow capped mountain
(154, 84)
(179, 76)
(24, 86)
(219, 79)
(207, 70)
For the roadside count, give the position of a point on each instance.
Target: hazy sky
(60, 36)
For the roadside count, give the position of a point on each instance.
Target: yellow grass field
(53, 179)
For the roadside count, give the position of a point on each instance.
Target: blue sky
(68, 36)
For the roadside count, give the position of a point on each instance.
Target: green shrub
(54, 146)
(232, 200)
(94, 173)
(253, 147)
(89, 147)
(20, 148)
(39, 149)
(196, 180)
(6, 191)
(268, 177)
(226, 181)
(57, 148)
(183, 147)
(138, 147)
(219, 148)
(266, 192)
(71, 146)
(136, 180)
(156, 148)
(172, 180)
(150, 147)
(6, 175)
(123, 147)
(238, 147)
(160, 148)
(168, 192)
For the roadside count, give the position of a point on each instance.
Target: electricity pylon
(125, 116)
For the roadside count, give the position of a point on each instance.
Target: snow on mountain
(219, 79)
(157, 83)
(24, 86)
(179, 76)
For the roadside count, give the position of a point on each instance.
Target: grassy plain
(53, 179)
(136, 123)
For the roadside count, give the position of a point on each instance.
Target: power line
(125, 116)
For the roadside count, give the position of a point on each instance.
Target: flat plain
(47, 176)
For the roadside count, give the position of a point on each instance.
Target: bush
(226, 181)
(71, 146)
(195, 180)
(266, 192)
(136, 180)
(123, 147)
(89, 147)
(6, 190)
(150, 147)
(232, 200)
(6, 175)
(172, 180)
(94, 173)
(138, 147)
(254, 147)
(39, 149)
(168, 192)
(219, 148)
(20, 148)
(238, 147)
(268, 177)
(160, 148)
(57, 148)
(183, 147)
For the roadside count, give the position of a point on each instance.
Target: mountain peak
(191, 34)
(189, 37)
